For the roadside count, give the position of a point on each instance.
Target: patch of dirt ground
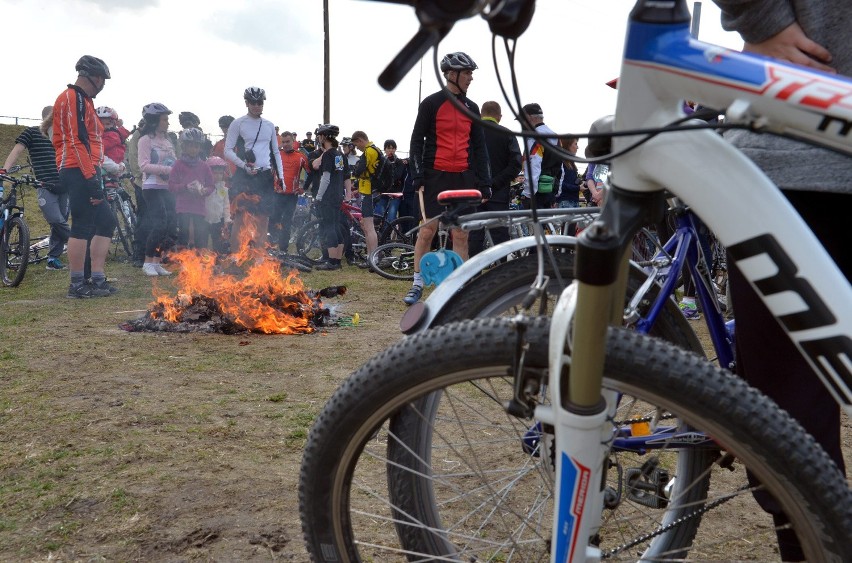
(164, 447)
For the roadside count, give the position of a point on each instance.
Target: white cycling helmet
(192, 135)
(105, 111)
(155, 109)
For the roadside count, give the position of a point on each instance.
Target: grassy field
(153, 446)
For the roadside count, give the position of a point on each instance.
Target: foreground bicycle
(526, 439)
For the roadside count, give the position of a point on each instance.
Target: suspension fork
(579, 411)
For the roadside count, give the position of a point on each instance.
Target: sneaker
(690, 311)
(161, 271)
(150, 269)
(107, 286)
(85, 291)
(328, 266)
(55, 264)
(413, 295)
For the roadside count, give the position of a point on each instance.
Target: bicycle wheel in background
(430, 465)
(394, 261)
(395, 231)
(14, 251)
(123, 227)
(308, 243)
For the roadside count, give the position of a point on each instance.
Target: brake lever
(423, 40)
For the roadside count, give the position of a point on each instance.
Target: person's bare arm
(17, 150)
(792, 45)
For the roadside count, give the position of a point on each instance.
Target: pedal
(648, 489)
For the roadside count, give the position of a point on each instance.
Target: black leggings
(160, 210)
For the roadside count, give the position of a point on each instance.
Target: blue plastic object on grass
(436, 266)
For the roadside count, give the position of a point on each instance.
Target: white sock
(688, 300)
(418, 279)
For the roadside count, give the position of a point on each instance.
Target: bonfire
(243, 292)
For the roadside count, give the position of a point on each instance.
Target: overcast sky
(199, 55)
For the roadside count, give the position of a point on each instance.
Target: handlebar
(507, 18)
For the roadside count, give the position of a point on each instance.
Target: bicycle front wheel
(394, 261)
(431, 466)
(14, 251)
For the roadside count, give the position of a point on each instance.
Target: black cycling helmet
(192, 135)
(225, 121)
(328, 130)
(155, 109)
(457, 61)
(188, 119)
(390, 143)
(92, 66)
(254, 94)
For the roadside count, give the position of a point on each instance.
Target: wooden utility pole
(326, 105)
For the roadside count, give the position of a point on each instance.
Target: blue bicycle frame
(684, 249)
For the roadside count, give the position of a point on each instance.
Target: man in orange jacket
(77, 139)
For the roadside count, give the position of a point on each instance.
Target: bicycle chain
(671, 526)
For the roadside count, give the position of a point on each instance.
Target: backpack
(382, 179)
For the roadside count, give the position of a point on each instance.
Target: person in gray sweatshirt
(818, 182)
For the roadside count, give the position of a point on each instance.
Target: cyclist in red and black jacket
(447, 153)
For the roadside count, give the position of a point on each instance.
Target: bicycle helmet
(188, 119)
(346, 141)
(155, 109)
(254, 94)
(600, 146)
(457, 61)
(328, 130)
(192, 135)
(225, 121)
(216, 162)
(92, 66)
(105, 112)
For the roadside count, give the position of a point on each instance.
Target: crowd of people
(193, 193)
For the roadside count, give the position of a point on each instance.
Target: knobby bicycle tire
(373, 486)
(14, 251)
(394, 261)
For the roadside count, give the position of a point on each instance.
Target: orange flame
(253, 291)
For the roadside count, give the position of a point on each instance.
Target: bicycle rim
(394, 261)
(430, 465)
(14, 251)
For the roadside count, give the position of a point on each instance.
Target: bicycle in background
(14, 231)
(123, 209)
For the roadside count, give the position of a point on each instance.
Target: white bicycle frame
(777, 253)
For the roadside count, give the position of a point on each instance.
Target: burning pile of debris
(243, 292)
